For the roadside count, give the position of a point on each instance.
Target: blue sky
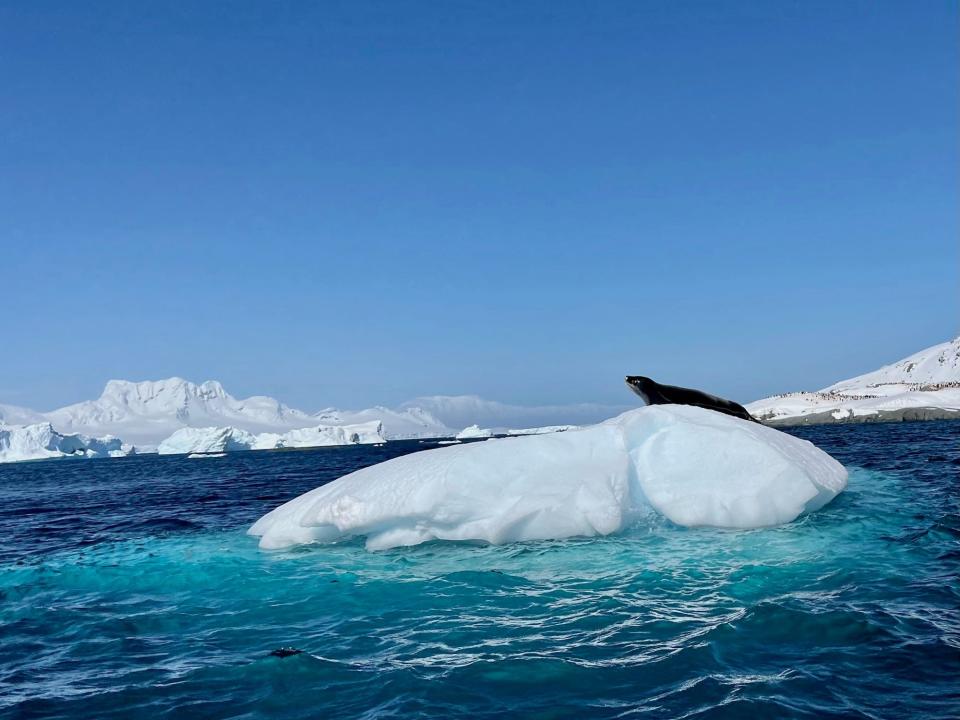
(353, 203)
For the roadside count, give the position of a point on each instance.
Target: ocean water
(129, 589)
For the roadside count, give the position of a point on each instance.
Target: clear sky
(347, 203)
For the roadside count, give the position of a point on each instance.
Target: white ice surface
(694, 466)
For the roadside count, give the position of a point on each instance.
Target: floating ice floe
(227, 439)
(40, 441)
(694, 466)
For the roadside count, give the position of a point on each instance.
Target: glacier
(226, 439)
(39, 441)
(693, 466)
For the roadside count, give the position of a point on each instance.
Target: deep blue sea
(128, 589)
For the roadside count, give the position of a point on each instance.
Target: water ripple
(145, 598)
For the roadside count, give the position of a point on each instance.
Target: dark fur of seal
(653, 393)
(285, 652)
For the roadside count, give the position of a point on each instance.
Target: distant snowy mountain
(411, 422)
(925, 385)
(15, 415)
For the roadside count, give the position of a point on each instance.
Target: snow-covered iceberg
(694, 466)
(473, 432)
(40, 441)
(227, 439)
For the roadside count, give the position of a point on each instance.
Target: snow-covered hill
(925, 385)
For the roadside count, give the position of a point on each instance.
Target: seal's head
(641, 386)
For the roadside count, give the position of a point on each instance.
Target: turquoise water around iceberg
(129, 589)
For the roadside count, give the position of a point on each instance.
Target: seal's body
(653, 393)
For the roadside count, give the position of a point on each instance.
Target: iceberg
(473, 432)
(367, 433)
(226, 439)
(693, 466)
(40, 441)
(206, 440)
(542, 430)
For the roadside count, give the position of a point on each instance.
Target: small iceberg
(198, 455)
(228, 439)
(694, 466)
(474, 432)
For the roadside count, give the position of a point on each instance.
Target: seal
(285, 652)
(653, 393)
